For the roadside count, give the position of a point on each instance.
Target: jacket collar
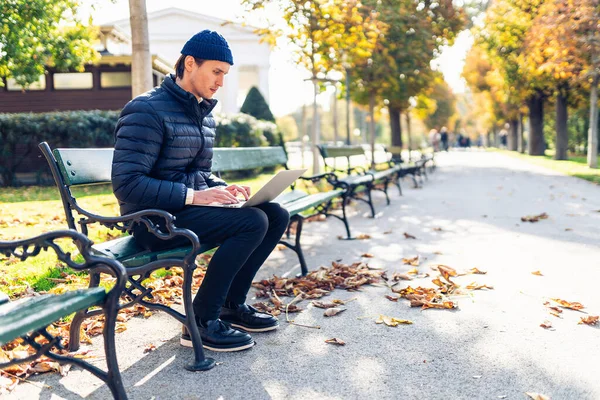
(187, 99)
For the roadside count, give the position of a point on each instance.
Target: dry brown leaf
(323, 304)
(546, 324)
(475, 286)
(387, 232)
(413, 271)
(439, 253)
(589, 320)
(149, 348)
(476, 271)
(337, 341)
(397, 276)
(534, 218)
(414, 261)
(437, 229)
(367, 255)
(538, 273)
(363, 236)
(537, 396)
(391, 298)
(330, 312)
(572, 305)
(408, 236)
(391, 321)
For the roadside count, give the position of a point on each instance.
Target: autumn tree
(502, 36)
(39, 33)
(320, 32)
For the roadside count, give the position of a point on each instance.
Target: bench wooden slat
(310, 201)
(26, 315)
(127, 251)
(239, 158)
(85, 166)
(342, 151)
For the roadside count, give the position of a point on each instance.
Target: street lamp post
(347, 106)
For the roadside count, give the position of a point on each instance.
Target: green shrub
(255, 105)
(20, 134)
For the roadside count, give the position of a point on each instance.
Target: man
(163, 156)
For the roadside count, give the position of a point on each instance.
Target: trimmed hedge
(21, 133)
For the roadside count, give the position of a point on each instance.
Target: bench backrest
(227, 159)
(84, 166)
(340, 151)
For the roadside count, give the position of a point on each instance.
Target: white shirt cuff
(189, 197)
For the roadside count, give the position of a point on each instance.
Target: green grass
(575, 166)
(30, 211)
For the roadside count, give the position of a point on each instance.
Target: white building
(170, 28)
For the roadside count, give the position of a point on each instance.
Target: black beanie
(208, 45)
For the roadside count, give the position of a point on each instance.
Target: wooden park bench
(29, 318)
(358, 179)
(415, 169)
(79, 167)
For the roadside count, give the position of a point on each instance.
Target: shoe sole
(267, 329)
(188, 343)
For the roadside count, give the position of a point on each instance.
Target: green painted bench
(358, 179)
(299, 203)
(29, 318)
(81, 167)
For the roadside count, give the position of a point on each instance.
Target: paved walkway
(491, 347)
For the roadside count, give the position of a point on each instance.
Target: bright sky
(283, 72)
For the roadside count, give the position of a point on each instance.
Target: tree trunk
(141, 60)
(347, 108)
(592, 156)
(409, 134)
(513, 135)
(562, 135)
(314, 136)
(535, 103)
(335, 117)
(521, 135)
(372, 127)
(396, 127)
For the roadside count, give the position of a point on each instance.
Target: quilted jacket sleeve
(139, 136)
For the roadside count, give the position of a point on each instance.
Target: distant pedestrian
(434, 139)
(444, 138)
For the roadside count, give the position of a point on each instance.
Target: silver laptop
(268, 192)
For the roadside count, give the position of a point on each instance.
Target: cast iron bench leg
(201, 363)
(80, 316)
(114, 381)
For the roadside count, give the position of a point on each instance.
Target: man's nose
(220, 81)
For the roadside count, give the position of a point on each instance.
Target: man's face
(206, 79)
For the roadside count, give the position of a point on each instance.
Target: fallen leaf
(323, 304)
(537, 396)
(330, 312)
(534, 218)
(149, 348)
(337, 341)
(413, 271)
(572, 305)
(367, 255)
(546, 324)
(409, 236)
(387, 232)
(538, 273)
(414, 261)
(589, 320)
(397, 276)
(391, 321)
(391, 298)
(363, 236)
(437, 229)
(475, 286)
(568, 229)
(476, 271)
(439, 253)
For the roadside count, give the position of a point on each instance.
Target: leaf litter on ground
(534, 218)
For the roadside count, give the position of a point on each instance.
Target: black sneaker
(248, 318)
(218, 336)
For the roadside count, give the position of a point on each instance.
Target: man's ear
(189, 63)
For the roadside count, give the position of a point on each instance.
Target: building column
(229, 97)
(263, 81)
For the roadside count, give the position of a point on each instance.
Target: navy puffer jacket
(164, 145)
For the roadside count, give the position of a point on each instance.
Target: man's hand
(238, 189)
(217, 195)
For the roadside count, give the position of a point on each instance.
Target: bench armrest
(31, 247)
(125, 223)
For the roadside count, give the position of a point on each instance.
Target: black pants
(246, 236)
